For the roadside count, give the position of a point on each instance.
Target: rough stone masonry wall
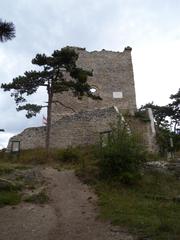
(78, 129)
(82, 128)
(29, 138)
(112, 72)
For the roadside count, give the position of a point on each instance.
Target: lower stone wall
(30, 138)
(82, 128)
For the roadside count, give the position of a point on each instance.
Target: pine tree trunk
(48, 126)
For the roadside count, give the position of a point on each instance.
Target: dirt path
(76, 211)
(70, 215)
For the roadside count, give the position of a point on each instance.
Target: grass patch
(16, 177)
(39, 198)
(9, 198)
(69, 158)
(8, 167)
(38, 156)
(147, 208)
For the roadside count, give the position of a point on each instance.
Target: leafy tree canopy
(167, 116)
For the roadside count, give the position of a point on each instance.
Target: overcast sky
(150, 27)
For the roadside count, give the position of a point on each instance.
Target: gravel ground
(26, 222)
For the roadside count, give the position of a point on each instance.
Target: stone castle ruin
(86, 119)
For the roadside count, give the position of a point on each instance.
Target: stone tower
(112, 79)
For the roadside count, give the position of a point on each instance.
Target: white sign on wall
(117, 95)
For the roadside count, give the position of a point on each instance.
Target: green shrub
(123, 154)
(68, 155)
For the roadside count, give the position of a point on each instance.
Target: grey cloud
(45, 25)
(53, 24)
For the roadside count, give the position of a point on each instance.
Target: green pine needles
(58, 74)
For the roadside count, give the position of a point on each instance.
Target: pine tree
(59, 74)
(7, 31)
